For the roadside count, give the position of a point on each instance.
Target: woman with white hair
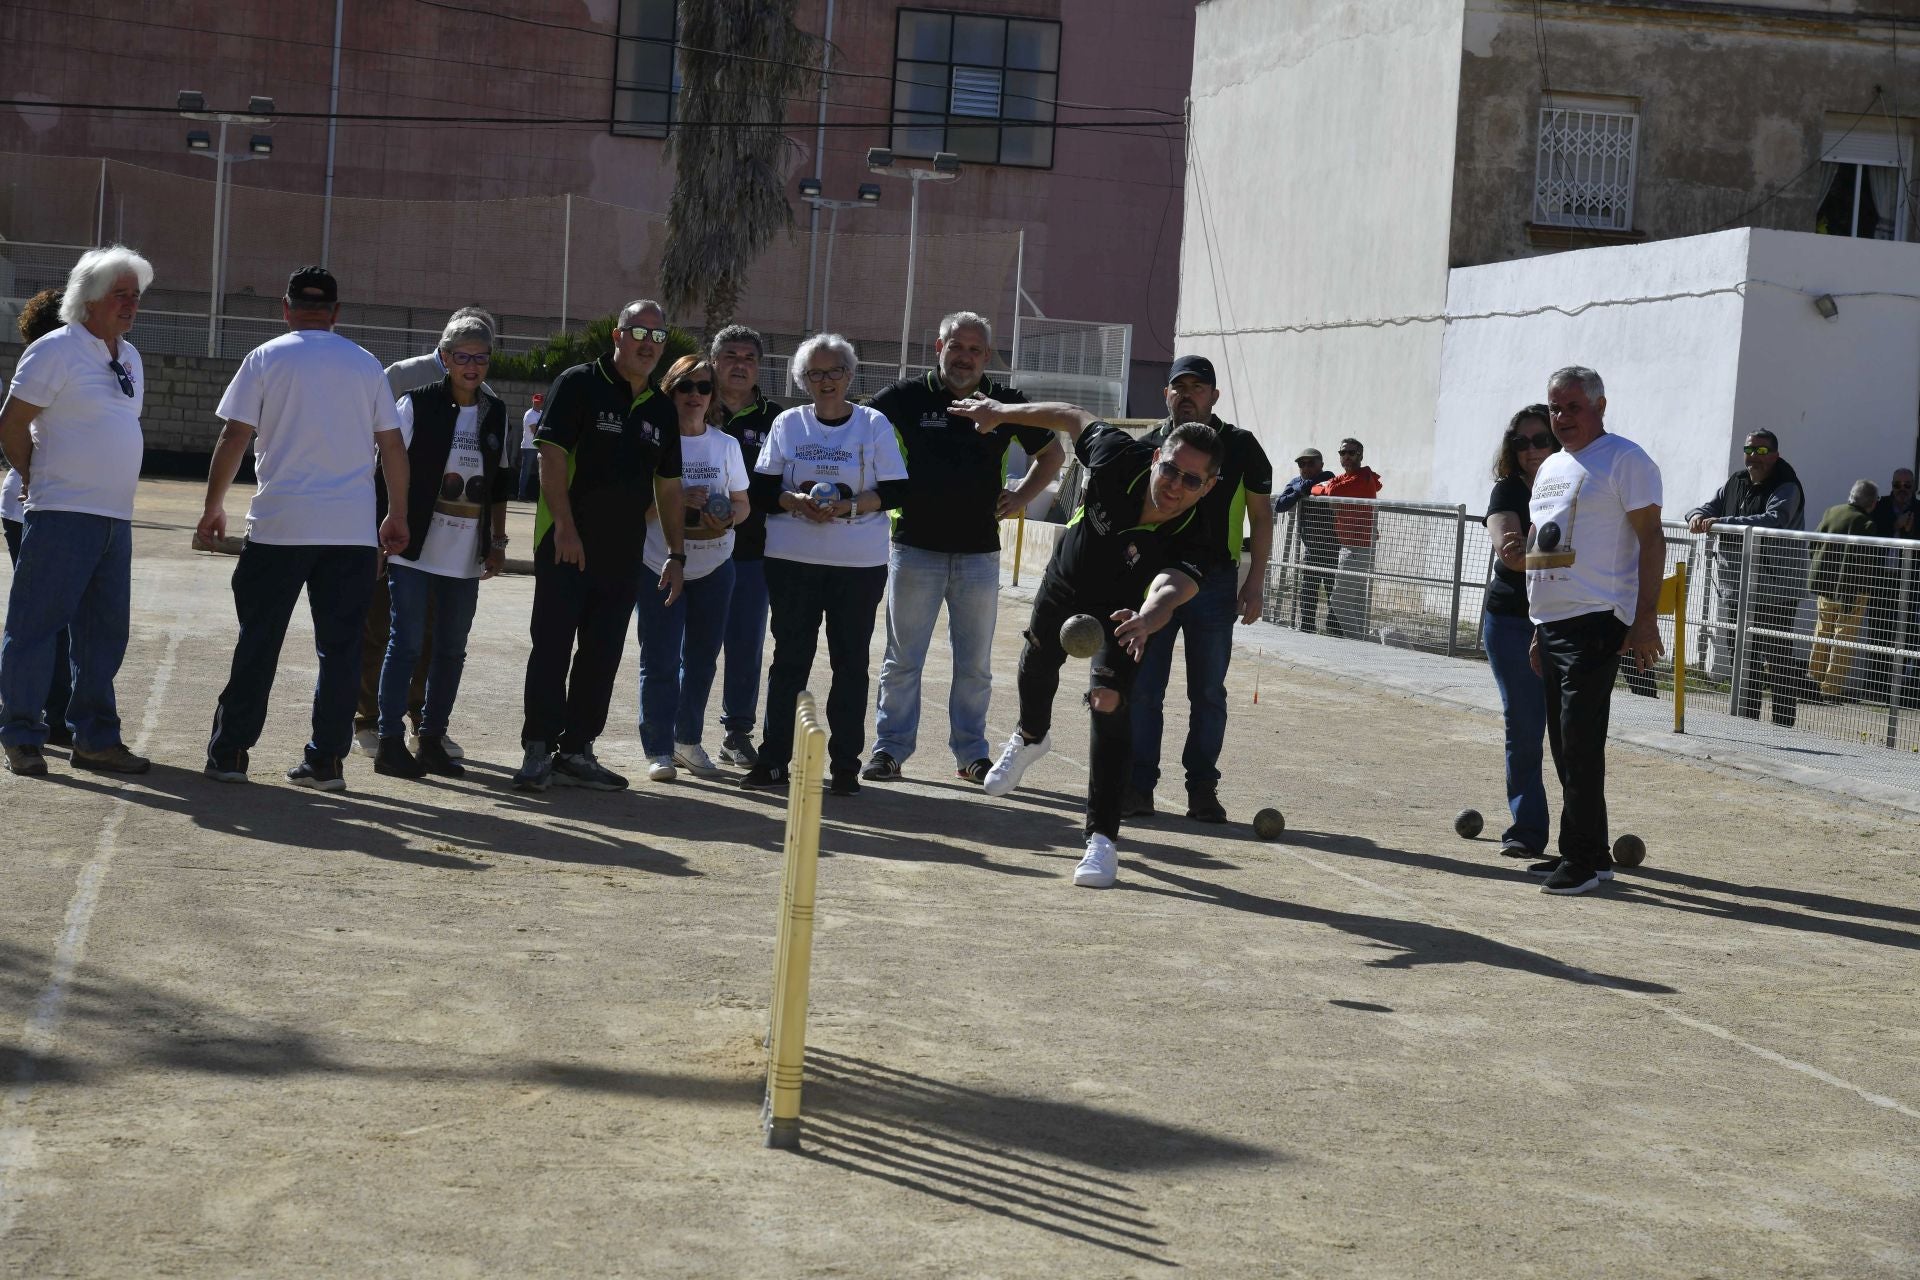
(828, 473)
(71, 429)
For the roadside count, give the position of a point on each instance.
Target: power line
(1817, 160)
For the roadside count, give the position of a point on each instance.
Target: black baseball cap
(314, 286)
(1199, 366)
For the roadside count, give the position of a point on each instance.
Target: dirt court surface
(441, 1029)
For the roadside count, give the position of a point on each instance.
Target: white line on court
(43, 1026)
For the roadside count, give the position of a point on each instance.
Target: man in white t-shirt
(530, 449)
(317, 408)
(1595, 556)
(71, 429)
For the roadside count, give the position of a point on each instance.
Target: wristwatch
(500, 543)
(681, 556)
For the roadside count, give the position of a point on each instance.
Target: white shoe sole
(1094, 879)
(662, 775)
(708, 771)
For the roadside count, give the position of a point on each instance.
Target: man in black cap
(1237, 510)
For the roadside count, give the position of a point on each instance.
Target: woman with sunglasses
(1507, 631)
(455, 431)
(827, 556)
(680, 641)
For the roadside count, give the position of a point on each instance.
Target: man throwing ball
(1129, 557)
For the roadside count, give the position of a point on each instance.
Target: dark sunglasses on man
(641, 333)
(1186, 478)
(126, 379)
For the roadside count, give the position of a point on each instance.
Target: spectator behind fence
(71, 429)
(1353, 529)
(1319, 550)
(528, 488)
(747, 415)
(1839, 579)
(39, 317)
(1893, 517)
(1764, 494)
(317, 409)
(1507, 632)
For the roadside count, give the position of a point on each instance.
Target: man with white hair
(609, 450)
(946, 544)
(71, 428)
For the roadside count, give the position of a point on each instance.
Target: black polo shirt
(1104, 556)
(954, 473)
(750, 426)
(1244, 470)
(616, 444)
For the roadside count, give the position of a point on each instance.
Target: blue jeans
(746, 642)
(409, 589)
(1207, 621)
(679, 650)
(1507, 638)
(266, 586)
(61, 686)
(76, 574)
(918, 582)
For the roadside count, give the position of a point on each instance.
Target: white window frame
(1579, 175)
(1870, 143)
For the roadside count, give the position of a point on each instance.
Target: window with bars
(1583, 175)
(977, 85)
(646, 78)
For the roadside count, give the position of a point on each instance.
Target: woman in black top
(1507, 631)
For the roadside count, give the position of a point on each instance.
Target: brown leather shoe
(113, 759)
(26, 761)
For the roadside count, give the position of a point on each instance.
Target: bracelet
(681, 556)
(500, 543)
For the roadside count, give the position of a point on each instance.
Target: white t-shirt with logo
(1580, 505)
(452, 547)
(86, 439)
(528, 425)
(712, 459)
(859, 453)
(315, 401)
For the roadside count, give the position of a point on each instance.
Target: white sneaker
(1012, 764)
(1100, 864)
(693, 757)
(453, 749)
(661, 769)
(367, 742)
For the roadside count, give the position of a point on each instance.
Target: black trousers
(1315, 582)
(800, 597)
(579, 631)
(1770, 662)
(1110, 749)
(1579, 659)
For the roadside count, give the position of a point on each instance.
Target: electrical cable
(1818, 159)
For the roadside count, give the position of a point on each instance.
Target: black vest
(434, 416)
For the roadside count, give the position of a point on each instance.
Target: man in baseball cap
(1313, 526)
(312, 289)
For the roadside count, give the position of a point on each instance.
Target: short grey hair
(1588, 381)
(93, 278)
(966, 320)
(465, 328)
(634, 308)
(481, 314)
(1864, 494)
(822, 342)
(736, 333)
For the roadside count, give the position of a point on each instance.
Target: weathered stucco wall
(1733, 102)
(1321, 163)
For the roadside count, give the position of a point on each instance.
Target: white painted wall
(1318, 191)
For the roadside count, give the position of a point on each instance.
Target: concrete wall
(1320, 177)
(1687, 378)
(1732, 99)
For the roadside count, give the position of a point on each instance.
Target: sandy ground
(446, 1030)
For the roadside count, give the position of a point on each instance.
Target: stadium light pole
(192, 104)
(810, 192)
(946, 168)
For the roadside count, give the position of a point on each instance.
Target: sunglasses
(640, 333)
(1186, 478)
(469, 357)
(1538, 440)
(1757, 450)
(126, 379)
(1907, 485)
(701, 388)
(833, 374)
(1349, 453)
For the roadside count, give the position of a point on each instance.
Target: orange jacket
(1352, 526)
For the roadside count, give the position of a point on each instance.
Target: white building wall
(1318, 193)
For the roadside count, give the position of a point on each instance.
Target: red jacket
(1352, 526)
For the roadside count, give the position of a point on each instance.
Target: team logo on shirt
(611, 422)
(822, 453)
(935, 420)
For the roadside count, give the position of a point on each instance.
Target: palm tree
(742, 62)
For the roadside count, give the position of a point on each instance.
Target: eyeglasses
(640, 333)
(1348, 453)
(1757, 450)
(469, 357)
(1186, 478)
(833, 374)
(1907, 485)
(1538, 440)
(126, 379)
(702, 388)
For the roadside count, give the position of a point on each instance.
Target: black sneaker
(395, 761)
(580, 769)
(1136, 803)
(435, 759)
(1570, 878)
(236, 771)
(1541, 870)
(976, 772)
(737, 748)
(27, 761)
(764, 775)
(322, 774)
(1204, 806)
(1511, 848)
(882, 768)
(845, 782)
